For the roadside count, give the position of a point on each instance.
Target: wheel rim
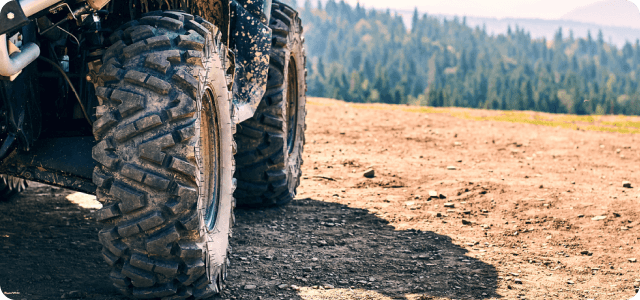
(210, 145)
(292, 104)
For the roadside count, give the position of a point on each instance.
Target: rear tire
(10, 186)
(165, 158)
(270, 144)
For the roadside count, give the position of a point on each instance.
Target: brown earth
(515, 219)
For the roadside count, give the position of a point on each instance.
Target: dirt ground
(457, 209)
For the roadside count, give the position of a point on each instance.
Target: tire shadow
(49, 248)
(294, 252)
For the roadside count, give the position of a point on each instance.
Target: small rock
(328, 286)
(249, 287)
(307, 269)
(598, 218)
(517, 281)
(569, 282)
(466, 222)
(632, 260)
(74, 295)
(451, 168)
(580, 216)
(626, 184)
(283, 286)
(433, 194)
(370, 173)
(442, 196)
(372, 279)
(586, 252)
(449, 204)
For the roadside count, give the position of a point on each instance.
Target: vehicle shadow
(49, 248)
(323, 250)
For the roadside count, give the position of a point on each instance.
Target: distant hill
(619, 21)
(546, 28)
(618, 13)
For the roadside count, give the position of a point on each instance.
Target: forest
(364, 55)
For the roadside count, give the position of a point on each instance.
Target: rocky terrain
(395, 203)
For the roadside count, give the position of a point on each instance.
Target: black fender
(250, 37)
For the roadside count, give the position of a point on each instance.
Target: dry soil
(457, 209)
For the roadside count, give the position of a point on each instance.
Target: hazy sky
(541, 9)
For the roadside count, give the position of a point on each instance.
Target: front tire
(270, 144)
(165, 154)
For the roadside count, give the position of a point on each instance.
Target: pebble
(249, 287)
(449, 204)
(626, 184)
(451, 168)
(598, 218)
(570, 282)
(632, 260)
(369, 173)
(466, 222)
(433, 194)
(283, 286)
(517, 280)
(328, 286)
(372, 279)
(74, 295)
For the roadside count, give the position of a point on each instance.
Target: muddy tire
(270, 144)
(10, 186)
(165, 158)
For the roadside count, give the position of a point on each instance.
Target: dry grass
(619, 124)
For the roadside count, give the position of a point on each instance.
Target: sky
(535, 9)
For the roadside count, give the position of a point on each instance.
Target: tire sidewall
(216, 240)
(295, 54)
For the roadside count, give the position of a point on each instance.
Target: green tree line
(361, 55)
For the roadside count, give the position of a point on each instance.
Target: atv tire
(270, 144)
(10, 186)
(165, 158)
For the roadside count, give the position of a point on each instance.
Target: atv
(171, 112)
